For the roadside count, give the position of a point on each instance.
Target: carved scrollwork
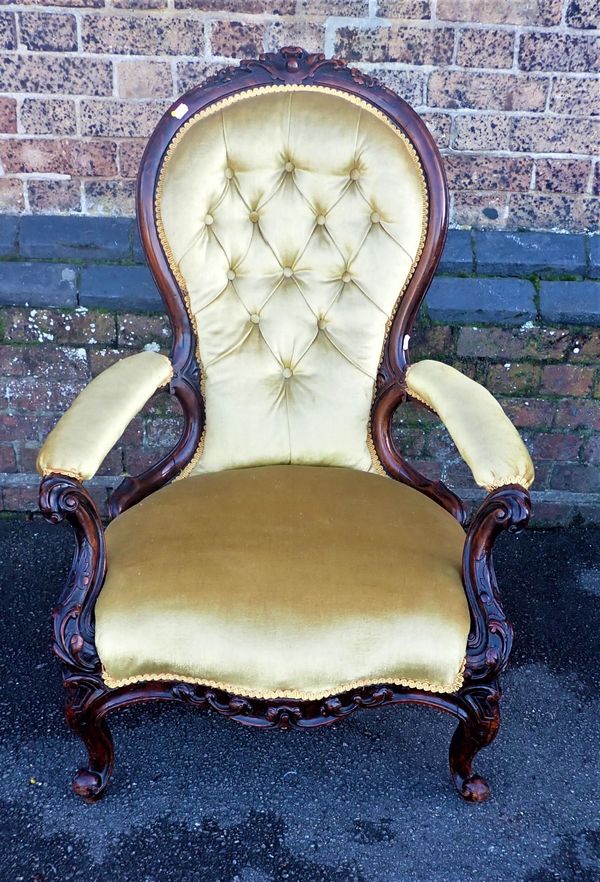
(490, 638)
(65, 498)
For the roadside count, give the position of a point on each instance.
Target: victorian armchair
(284, 565)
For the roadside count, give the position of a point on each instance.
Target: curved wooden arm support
(490, 640)
(388, 398)
(63, 498)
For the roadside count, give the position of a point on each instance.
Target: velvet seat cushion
(284, 581)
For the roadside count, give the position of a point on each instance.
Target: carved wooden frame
(89, 700)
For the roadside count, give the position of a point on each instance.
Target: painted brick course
(510, 90)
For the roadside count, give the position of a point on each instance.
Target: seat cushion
(284, 581)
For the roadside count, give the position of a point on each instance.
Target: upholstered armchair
(283, 564)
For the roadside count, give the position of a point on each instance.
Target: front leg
(480, 705)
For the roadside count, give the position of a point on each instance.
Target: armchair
(283, 564)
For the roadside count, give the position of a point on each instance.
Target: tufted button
(375, 218)
(321, 219)
(346, 277)
(289, 166)
(208, 220)
(287, 373)
(254, 216)
(322, 324)
(231, 274)
(355, 174)
(288, 272)
(229, 173)
(255, 318)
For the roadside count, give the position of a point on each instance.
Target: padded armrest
(100, 414)
(486, 439)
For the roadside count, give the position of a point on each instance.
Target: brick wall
(510, 89)
(520, 312)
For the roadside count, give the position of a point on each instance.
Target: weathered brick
(567, 379)
(24, 427)
(236, 39)
(520, 254)
(150, 34)
(43, 362)
(275, 7)
(51, 73)
(163, 433)
(79, 327)
(513, 378)
(556, 446)
(526, 12)
(11, 195)
(144, 79)
(85, 238)
(110, 197)
(485, 48)
(54, 196)
(439, 124)
(488, 91)
(8, 115)
(192, 73)
(8, 459)
(137, 459)
(8, 31)
(405, 44)
(30, 393)
(130, 155)
(48, 116)
(478, 132)
(48, 31)
(461, 301)
(537, 344)
(20, 497)
(115, 286)
(121, 119)
(542, 210)
(577, 478)
(529, 413)
(457, 255)
(62, 156)
(468, 172)
(38, 284)
(562, 175)
(295, 32)
(553, 134)
(576, 97)
(9, 234)
(583, 14)
(139, 4)
(551, 51)
(483, 210)
(398, 8)
(432, 341)
(585, 347)
(573, 302)
(140, 330)
(574, 414)
(591, 450)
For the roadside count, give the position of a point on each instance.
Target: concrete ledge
(570, 302)
(86, 238)
(492, 301)
(500, 253)
(37, 284)
(457, 256)
(109, 287)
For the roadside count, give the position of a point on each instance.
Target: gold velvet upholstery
(293, 218)
(483, 434)
(291, 581)
(100, 414)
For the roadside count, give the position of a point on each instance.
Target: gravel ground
(196, 798)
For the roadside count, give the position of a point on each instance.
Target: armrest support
(100, 414)
(485, 437)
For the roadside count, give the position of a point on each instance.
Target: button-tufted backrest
(293, 218)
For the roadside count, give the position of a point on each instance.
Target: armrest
(485, 437)
(100, 414)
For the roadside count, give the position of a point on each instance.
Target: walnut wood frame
(89, 700)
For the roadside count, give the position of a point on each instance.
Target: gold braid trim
(296, 694)
(174, 266)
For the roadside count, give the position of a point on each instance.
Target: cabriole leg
(91, 782)
(477, 730)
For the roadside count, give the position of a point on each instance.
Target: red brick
(532, 413)
(48, 32)
(8, 115)
(576, 414)
(138, 330)
(31, 394)
(526, 12)
(553, 52)
(54, 197)
(58, 326)
(409, 440)
(90, 158)
(43, 362)
(432, 341)
(540, 344)
(151, 34)
(48, 116)
(567, 379)
(23, 427)
(485, 48)
(468, 172)
(591, 450)
(516, 378)
(11, 196)
(101, 359)
(586, 347)
(487, 91)
(398, 43)
(555, 446)
(8, 460)
(236, 39)
(138, 459)
(163, 432)
(21, 497)
(432, 469)
(562, 175)
(575, 477)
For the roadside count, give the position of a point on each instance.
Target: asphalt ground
(196, 798)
